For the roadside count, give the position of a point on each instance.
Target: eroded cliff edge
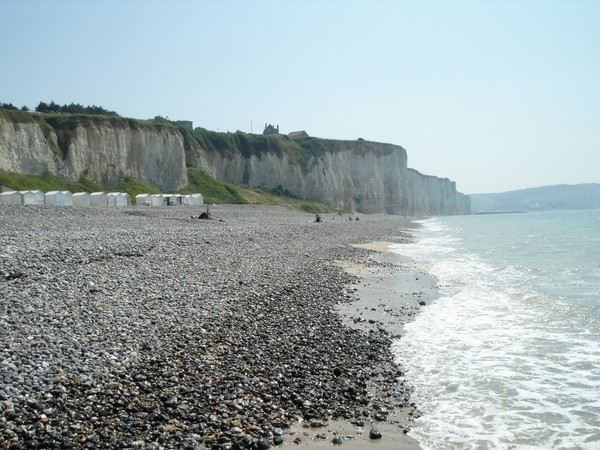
(363, 176)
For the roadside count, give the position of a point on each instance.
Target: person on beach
(204, 215)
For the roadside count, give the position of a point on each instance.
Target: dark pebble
(263, 444)
(374, 434)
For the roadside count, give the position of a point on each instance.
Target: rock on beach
(142, 328)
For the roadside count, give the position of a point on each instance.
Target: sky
(494, 95)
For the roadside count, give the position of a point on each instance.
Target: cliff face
(368, 177)
(109, 154)
(339, 179)
(363, 176)
(99, 150)
(24, 148)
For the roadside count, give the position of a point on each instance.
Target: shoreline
(391, 290)
(145, 327)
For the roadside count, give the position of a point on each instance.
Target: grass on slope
(260, 197)
(213, 191)
(46, 183)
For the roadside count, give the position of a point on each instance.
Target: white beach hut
(117, 199)
(197, 199)
(168, 199)
(54, 198)
(178, 199)
(11, 198)
(81, 199)
(97, 199)
(143, 200)
(67, 198)
(33, 197)
(111, 198)
(156, 200)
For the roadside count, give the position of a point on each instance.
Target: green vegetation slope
(213, 191)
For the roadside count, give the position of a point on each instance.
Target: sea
(508, 356)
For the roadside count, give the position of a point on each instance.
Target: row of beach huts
(66, 198)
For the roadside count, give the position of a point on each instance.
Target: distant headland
(544, 198)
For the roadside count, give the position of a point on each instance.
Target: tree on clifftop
(73, 108)
(13, 107)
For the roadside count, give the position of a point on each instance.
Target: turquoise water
(509, 356)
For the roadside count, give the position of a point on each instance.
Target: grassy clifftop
(299, 150)
(249, 145)
(69, 121)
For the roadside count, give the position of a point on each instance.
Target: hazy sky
(495, 95)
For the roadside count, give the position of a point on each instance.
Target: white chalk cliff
(99, 150)
(363, 176)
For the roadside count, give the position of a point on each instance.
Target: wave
(502, 359)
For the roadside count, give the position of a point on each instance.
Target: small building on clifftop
(298, 134)
(270, 129)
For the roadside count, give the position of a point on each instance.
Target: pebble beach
(143, 328)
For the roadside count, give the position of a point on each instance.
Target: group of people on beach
(206, 215)
(318, 218)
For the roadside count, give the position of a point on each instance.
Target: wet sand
(389, 292)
